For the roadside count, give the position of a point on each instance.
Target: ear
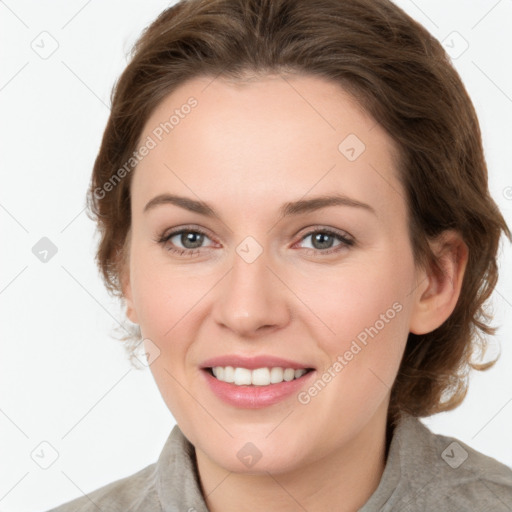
(124, 278)
(438, 291)
(128, 298)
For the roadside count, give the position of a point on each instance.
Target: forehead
(263, 141)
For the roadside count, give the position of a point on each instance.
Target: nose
(251, 299)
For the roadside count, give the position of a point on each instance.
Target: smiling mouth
(258, 377)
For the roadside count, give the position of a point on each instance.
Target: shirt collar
(178, 484)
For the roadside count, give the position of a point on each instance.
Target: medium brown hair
(400, 74)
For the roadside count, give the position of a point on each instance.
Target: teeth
(258, 377)
(229, 374)
(276, 375)
(289, 374)
(242, 376)
(299, 373)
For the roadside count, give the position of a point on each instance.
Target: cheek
(167, 302)
(162, 294)
(367, 311)
(355, 301)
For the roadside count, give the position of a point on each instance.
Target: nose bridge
(251, 296)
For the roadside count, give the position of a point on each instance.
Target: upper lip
(253, 362)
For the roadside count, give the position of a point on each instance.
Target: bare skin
(246, 149)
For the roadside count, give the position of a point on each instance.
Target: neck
(342, 481)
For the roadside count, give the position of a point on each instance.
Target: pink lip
(251, 363)
(255, 397)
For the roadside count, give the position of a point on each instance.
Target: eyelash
(345, 241)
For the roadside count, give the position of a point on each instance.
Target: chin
(257, 457)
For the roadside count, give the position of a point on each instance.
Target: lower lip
(255, 397)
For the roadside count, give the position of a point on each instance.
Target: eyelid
(169, 233)
(346, 240)
(307, 231)
(315, 228)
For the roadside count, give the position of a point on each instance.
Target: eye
(191, 240)
(322, 241)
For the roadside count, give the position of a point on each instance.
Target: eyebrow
(287, 209)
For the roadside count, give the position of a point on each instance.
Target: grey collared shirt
(424, 472)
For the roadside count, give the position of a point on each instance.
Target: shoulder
(170, 483)
(454, 475)
(133, 493)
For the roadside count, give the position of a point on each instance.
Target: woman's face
(270, 274)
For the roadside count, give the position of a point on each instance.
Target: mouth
(255, 382)
(265, 376)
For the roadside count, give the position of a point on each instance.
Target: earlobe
(124, 278)
(130, 310)
(439, 289)
(128, 297)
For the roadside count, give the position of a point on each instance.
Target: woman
(293, 205)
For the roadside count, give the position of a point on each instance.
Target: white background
(64, 379)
